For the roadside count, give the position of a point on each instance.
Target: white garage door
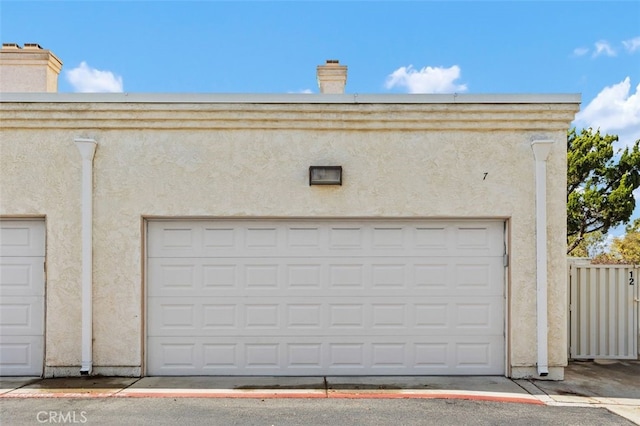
(21, 297)
(341, 297)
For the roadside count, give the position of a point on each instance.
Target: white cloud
(603, 48)
(615, 110)
(303, 91)
(426, 80)
(580, 51)
(632, 45)
(90, 80)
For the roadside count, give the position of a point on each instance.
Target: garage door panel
(21, 238)
(479, 239)
(324, 316)
(334, 297)
(481, 354)
(315, 276)
(237, 238)
(21, 355)
(477, 316)
(21, 276)
(174, 316)
(312, 356)
(174, 239)
(22, 316)
(178, 356)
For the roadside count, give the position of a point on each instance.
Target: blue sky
(587, 47)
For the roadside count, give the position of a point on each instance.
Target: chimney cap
(11, 46)
(32, 46)
(333, 61)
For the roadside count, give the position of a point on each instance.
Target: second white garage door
(333, 297)
(22, 255)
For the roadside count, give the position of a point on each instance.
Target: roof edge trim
(556, 98)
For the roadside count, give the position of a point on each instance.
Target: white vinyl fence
(603, 304)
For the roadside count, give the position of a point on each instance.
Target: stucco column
(541, 150)
(87, 148)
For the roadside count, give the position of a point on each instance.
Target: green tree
(593, 244)
(625, 249)
(600, 184)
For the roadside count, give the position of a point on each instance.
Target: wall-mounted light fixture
(325, 175)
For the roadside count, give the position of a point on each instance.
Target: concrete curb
(274, 393)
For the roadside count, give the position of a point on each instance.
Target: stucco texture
(251, 160)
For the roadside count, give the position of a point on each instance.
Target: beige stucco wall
(251, 160)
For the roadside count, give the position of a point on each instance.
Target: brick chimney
(332, 77)
(28, 69)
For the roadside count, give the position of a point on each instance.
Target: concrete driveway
(614, 385)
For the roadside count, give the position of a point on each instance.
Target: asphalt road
(287, 412)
